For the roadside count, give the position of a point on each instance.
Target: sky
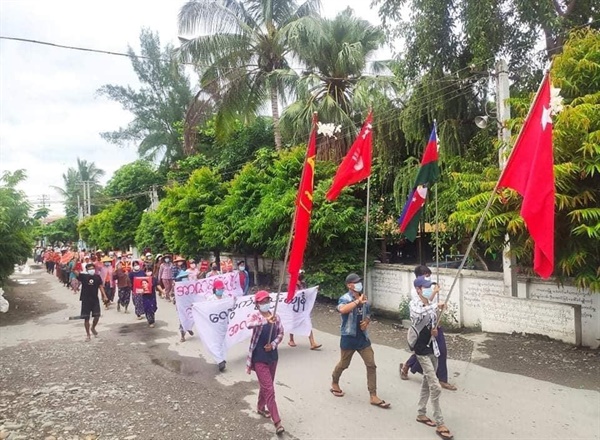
(50, 113)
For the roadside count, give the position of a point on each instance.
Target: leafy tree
(245, 52)
(16, 227)
(183, 209)
(62, 230)
(134, 181)
(335, 83)
(158, 106)
(150, 233)
(577, 174)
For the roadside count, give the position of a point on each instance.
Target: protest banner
(211, 317)
(142, 285)
(189, 292)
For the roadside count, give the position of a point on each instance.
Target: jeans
(442, 368)
(430, 388)
(368, 357)
(266, 395)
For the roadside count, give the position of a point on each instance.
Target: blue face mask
(358, 287)
(427, 292)
(219, 292)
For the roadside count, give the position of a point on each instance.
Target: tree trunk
(256, 268)
(275, 110)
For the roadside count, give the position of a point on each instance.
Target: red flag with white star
(356, 166)
(530, 172)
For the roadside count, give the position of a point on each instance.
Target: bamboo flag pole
(486, 209)
(437, 217)
(366, 234)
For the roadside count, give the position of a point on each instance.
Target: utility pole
(43, 201)
(89, 197)
(153, 199)
(509, 261)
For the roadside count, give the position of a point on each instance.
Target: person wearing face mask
(149, 305)
(244, 277)
(192, 270)
(106, 273)
(412, 364)
(180, 272)
(214, 270)
(218, 291)
(267, 334)
(165, 275)
(424, 319)
(90, 304)
(123, 286)
(138, 300)
(355, 314)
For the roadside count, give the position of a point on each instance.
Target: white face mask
(136, 268)
(427, 292)
(91, 271)
(242, 267)
(264, 307)
(358, 287)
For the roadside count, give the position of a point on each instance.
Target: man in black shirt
(90, 304)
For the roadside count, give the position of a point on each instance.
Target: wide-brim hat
(178, 258)
(106, 260)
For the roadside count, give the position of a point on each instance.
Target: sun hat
(178, 258)
(106, 260)
(353, 278)
(261, 295)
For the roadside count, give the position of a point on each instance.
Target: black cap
(353, 278)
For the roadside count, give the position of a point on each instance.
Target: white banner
(189, 292)
(222, 324)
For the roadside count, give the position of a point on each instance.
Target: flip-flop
(427, 421)
(337, 393)
(292, 344)
(316, 347)
(446, 431)
(403, 375)
(448, 386)
(382, 404)
(265, 413)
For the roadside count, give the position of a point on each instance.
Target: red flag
(356, 166)
(530, 172)
(304, 203)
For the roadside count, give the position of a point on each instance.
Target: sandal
(426, 421)
(444, 433)
(279, 430)
(448, 386)
(264, 412)
(292, 344)
(403, 374)
(337, 393)
(382, 404)
(316, 347)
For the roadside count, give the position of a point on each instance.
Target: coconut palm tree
(73, 178)
(246, 51)
(335, 82)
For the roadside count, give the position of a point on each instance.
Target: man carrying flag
(428, 174)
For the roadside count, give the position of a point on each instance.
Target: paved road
(488, 405)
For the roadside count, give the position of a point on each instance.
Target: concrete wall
(506, 314)
(392, 284)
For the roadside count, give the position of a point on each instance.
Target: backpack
(413, 332)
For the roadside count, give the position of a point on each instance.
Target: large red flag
(530, 172)
(304, 203)
(356, 166)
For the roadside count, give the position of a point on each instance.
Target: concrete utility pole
(509, 262)
(153, 199)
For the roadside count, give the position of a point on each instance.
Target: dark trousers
(442, 368)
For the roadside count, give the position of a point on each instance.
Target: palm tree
(334, 83)
(245, 51)
(73, 178)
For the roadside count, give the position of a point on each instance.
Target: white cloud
(49, 111)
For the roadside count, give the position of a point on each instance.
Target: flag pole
(292, 227)
(367, 233)
(437, 218)
(489, 203)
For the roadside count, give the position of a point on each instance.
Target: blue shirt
(260, 354)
